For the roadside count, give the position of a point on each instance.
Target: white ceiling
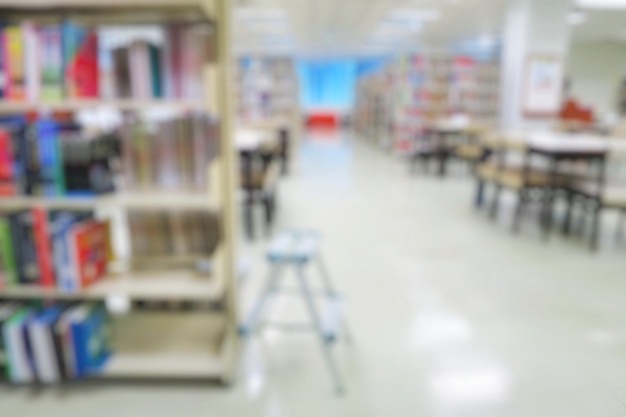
(347, 27)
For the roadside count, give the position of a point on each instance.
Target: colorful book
(24, 247)
(41, 335)
(13, 59)
(59, 228)
(72, 37)
(7, 310)
(43, 247)
(32, 62)
(50, 158)
(7, 167)
(90, 330)
(88, 253)
(87, 72)
(21, 369)
(7, 254)
(3, 75)
(51, 63)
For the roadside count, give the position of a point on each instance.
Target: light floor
(452, 315)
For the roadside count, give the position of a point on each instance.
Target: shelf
(9, 107)
(149, 345)
(146, 286)
(141, 200)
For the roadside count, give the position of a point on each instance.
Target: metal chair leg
(271, 285)
(329, 289)
(317, 323)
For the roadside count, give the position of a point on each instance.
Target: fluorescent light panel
(602, 4)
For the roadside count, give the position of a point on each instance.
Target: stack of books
(169, 155)
(52, 344)
(58, 249)
(67, 61)
(159, 234)
(49, 158)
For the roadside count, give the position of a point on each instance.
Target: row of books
(52, 62)
(57, 249)
(50, 158)
(167, 233)
(171, 154)
(53, 343)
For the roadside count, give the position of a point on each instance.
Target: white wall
(596, 71)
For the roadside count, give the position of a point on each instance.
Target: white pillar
(531, 28)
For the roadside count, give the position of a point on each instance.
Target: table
(558, 147)
(441, 135)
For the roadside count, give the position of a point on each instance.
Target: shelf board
(141, 200)
(9, 107)
(183, 285)
(170, 345)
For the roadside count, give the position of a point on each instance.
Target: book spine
(72, 282)
(43, 248)
(7, 253)
(14, 63)
(87, 70)
(51, 57)
(71, 39)
(31, 61)
(3, 74)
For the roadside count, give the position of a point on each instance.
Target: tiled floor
(452, 314)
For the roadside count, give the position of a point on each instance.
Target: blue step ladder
(298, 249)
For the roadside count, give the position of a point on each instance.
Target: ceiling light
(419, 15)
(260, 13)
(576, 18)
(602, 4)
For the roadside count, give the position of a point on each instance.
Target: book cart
(155, 342)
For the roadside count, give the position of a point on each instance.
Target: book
(51, 63)
(64, 343)
(41, 335)
(18, 347)
(88, 253)
(24, 247)
(121, 73)
(32, 64)
(72, 37)
(50, 158)
(140, 75)
(7, 310)
(15, 73)
(43, 248)
(87, 72)
(89, 327)
(7, 168)
(60, 225)
(9, 265)
(3, 73)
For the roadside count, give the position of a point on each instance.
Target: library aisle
(451, 317)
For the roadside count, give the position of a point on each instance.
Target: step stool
(298, 249)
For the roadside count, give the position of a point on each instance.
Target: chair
(259, 178)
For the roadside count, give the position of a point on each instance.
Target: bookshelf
(158, 343)
(414, 90)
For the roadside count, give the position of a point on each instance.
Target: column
(533, 29)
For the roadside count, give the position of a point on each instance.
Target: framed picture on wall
(544, 85)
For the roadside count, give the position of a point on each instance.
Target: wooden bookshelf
(157, 344)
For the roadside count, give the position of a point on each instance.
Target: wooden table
(557, 147)
(442, 137)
